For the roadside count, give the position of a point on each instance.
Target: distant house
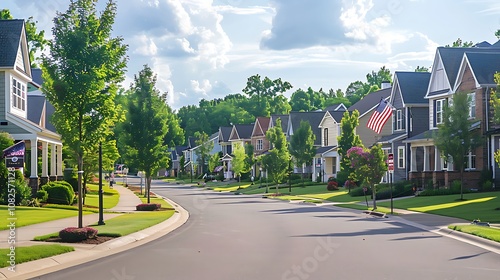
(365, 107)
(24, 111)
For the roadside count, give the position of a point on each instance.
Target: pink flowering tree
(369, 166)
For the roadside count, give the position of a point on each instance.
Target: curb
(80, 255)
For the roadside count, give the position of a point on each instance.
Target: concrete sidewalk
(86, 252)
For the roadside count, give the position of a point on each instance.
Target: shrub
(358, 192)
(59, 192)
(42, 195)
(74, 234)
(148, 207)
(332, 184)
(72, 178)
(22, 190)
(487, 186)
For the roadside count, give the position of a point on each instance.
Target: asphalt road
(247, 237)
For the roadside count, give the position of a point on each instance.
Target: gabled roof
(413, 86)
(225, 133)
(261, 126)
(313, 118)
(177, 151)
(241, 132)
(284, 121)
(336, 107)
(10, 39)
(370, 101)
(337, 115)
(325, 149)
(483, 67)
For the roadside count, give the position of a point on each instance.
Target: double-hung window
(439, 110)
(259, 145)
(472, 105)
(470, 161)
(18, 97)
(399, 120)
(401, 157)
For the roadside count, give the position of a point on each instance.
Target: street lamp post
(267, 182)
(101, 203)
(260, 175)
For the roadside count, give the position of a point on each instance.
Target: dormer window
(18, 98)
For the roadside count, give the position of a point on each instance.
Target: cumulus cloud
(301, 24)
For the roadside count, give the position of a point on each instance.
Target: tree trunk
(148, 187)
(462, 184)
(374, 194)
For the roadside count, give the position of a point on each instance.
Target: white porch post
(59, 161)
(413, 159)
(338, 164)
(314, 170)
(426, 158)
(34, 157)
(45, 159)
(437, 159)
(53, 160)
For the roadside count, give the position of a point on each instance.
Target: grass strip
(131, 222)
(110, 196)
(33, 215)
(481, 231)
(31, 253)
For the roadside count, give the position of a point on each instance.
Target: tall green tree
(347, 139)
(302, 145)
(369, 165)
(358, 89)
(205, 146)
(146, 126)
(455, 136)
(265, 91)
(495, 104)
(238, 163)
(214, 161)
(36, 39)
(276, 161)
(461, 44)
(81, 76)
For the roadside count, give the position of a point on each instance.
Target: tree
(302, 145)
(277, 159)
(421, 69)
(146, 126)
(357, 90)
(369, 165)
(238, 163)
(461, 44)
(81, 76)
(455, 136)
(36, 40)
(495, 104)
(6, 141)
(347, 139)
(265, 91)
(213, 161)
(204, 147)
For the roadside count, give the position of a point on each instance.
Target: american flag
(380, 116)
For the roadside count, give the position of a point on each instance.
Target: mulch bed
(95, 241)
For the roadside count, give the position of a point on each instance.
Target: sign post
(390, 168)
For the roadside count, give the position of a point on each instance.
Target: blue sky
(208, 49)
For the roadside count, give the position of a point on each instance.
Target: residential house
(454, 70)
(175, 158)
(365, 107)
(226, 148)
(409, 118)
(258, 138)
(25, 115)
(241, 134)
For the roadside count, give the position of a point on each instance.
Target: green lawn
(480, 206)
(132, 222)
(481, 231)
(110, 196)
(33, 215)
(31, 253)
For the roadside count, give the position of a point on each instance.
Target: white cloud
(146, 46)
(202, 88)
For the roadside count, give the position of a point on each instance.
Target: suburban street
(247, 237)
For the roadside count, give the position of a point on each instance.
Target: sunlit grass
(481, 231)
(33, 215)
(448, 205)
(31, 253)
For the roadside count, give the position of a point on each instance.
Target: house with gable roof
(365, 107)
(409, 118)
(24, 111)
(456, 70)
(258, 138)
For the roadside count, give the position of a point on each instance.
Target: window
(260, 145)
(401, 157)
(439, 111)
(18, 95)
(470, 161)
(325, 137)
(399, 120)
(472, 105)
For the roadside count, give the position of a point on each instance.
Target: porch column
(437, 159)
(314, 170)
(338, 164)
(53, 164)
(33, 181)
(45, 163)
(59, 162)
(413, 167)
(426, 158)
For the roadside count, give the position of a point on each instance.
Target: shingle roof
(36, 75)
(370, 100)
(313, 118)
(284, 121)
(10, 36)
(36, 103)
(413, 86)
(484, 66)
(244, 130)
(337, 115)
(225, 132)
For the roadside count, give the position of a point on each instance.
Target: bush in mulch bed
(148, 207)
(75, 234)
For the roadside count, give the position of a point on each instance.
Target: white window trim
(441, 101)
(260, 145)
(14, 97)
(472, 101)
(401, 164)
(470, 156)
(399, 119)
